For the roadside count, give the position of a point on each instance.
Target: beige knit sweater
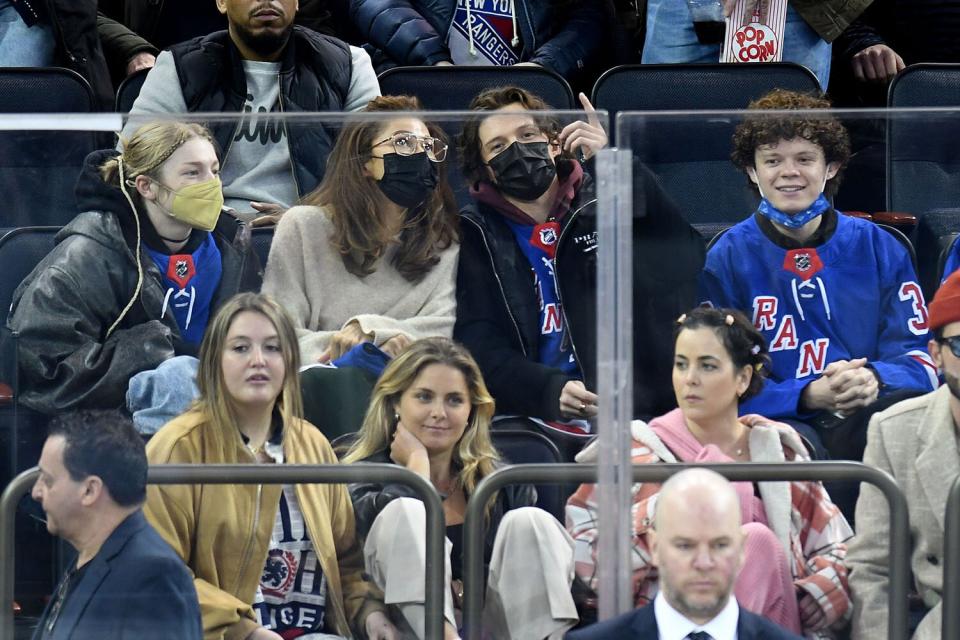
(306, 275)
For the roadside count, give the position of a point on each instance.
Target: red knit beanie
(945, 306)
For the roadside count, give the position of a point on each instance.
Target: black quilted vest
(315, 75)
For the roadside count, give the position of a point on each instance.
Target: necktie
(699, 635)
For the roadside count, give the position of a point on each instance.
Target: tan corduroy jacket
(222, 531)
(915, 441)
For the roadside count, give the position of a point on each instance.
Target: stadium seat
(261, 237)
(20, 251)
(38, 169)
(22, 430)
(518, 446)
(129, 89)
(692, 157)
(923, 169)
(452, 88)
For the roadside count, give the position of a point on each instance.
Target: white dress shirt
(673, 625)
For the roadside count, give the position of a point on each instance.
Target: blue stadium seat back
(21, 250)
(923, 168)
(692, 158)
(518, 446)
(129, 89)
(453, 88)
(949, 246)
(261, 237)
(38, 169)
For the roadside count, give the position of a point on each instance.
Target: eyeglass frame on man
(952, 342)
(439, 147)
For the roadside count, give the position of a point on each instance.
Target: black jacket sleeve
(579, 38)
(65, 359)
(401, 30)
(520, 384)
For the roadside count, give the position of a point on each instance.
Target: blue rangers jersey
(854, 296)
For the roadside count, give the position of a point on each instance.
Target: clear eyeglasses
(407, 144)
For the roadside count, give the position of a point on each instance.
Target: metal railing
(950, 606)
(254, 474)
(473, 569)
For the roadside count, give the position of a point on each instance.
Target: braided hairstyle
(741, 340)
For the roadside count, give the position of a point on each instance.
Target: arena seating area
(675, 119)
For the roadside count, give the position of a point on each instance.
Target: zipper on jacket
(556, 276)
(503, 293)
(286, 134)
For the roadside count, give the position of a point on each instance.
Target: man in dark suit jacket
(126, 583)
(697, 546)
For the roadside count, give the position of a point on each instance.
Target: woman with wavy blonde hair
(431, 412)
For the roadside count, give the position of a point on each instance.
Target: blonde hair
(474, 456)
(145, 151)
(214, 401)
(143, 154)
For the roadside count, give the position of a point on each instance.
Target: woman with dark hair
(794, 571)
(373, 254)
(269, 561)
(430, 412)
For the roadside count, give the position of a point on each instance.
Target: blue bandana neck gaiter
(797, 220)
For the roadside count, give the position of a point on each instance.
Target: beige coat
(222, 532)
(915, 442)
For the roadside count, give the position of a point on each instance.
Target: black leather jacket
(63, 309)
(498, 317)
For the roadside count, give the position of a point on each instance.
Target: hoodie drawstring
(513, 21)
(136, 219)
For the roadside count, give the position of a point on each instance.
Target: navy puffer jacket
(562, 35)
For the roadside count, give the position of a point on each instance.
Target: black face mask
(524, 170)
(408, 180)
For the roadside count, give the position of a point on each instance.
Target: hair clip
(755, 349)
(682, 317)
(758, 367)
(729, 320)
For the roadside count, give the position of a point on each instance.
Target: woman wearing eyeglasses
(372, 255)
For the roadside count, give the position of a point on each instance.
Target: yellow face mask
(197, 205)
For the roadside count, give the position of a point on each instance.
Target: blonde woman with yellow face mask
(133, 279)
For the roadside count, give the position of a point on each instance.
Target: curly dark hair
(742, 341)
(759, 130)
(468, 144)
